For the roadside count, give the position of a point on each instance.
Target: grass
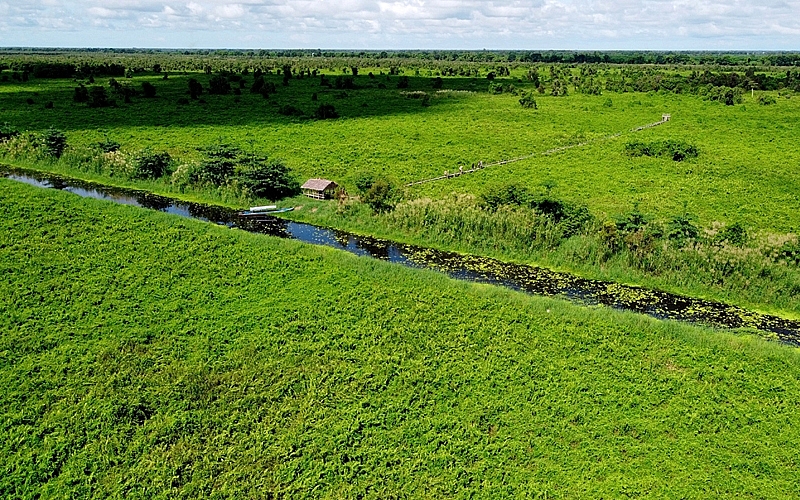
(144, 355)
(385, 132)
(744, 172)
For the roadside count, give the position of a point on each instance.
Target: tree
(219, 85)
(148, 90)
(195, 88)
(150, 164)
(286, 71)
(55, 142)
(325, 111)
(81, 94)
(382, 196)
(98, 98)
(272, 180)
(527, 101)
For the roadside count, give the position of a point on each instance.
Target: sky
(408, 24)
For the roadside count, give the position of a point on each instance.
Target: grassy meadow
(745, 171)
(148, 356)
(744, 174)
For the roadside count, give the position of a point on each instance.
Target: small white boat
(265, 208)
(274, 210)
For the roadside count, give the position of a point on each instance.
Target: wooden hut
(319, 189)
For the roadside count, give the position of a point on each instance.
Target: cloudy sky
(407, 24)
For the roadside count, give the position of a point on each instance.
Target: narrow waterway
(530, 279)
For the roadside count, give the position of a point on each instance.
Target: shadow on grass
(24, 103)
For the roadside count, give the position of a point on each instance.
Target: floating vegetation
(530, 279)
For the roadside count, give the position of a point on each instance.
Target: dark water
(530, 279)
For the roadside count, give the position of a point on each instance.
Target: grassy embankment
(744, 172)
(146, 355)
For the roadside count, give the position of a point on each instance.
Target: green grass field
(745, 171)
(148, 356)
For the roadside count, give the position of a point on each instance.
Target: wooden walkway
(481, 166)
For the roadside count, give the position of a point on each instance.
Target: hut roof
(318, 184)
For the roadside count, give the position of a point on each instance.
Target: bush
(437, 82)
(7, 132)
(98, 98)
(325, 111)
(676, 150)
(766, 100)
(402, 83)
(218, 167)
(148, 90)
(108, 146)
(508, 194)
(364, 181)
(382, 196)
(149, 164)
(55, 142)
(682, 228)
(81, 94)
(344, 82)
(272, 180)
(527, 101)
(219, 85)
(735, 234)
(195, 88)
(633, 221)
(289, 110)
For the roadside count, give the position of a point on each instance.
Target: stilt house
(319, 189)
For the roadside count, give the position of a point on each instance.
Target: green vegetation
(144, 355)
(406, 117)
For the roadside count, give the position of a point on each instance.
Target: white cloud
(468, 24)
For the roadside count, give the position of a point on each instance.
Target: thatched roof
(318, 184)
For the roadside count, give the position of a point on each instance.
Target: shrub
(289, 110)
(344, 82)
(55, 142)
(148, 90)
(681, 228)
(325, 111)
(382, 196)
(789, 253)
(633, 221)
(150, 164)
(676, 150)
(766, 100)
(7, 132)
(98, 98)
(108, 146)
(402, 83)
(437, 82)
(81, 94)
(195, 88)
(218, 167)
(49, 105)
(364, 181)
(183, 101)
(507, 194)
(527, 101)
(219, 85)
(735, 234)
(271, 180)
